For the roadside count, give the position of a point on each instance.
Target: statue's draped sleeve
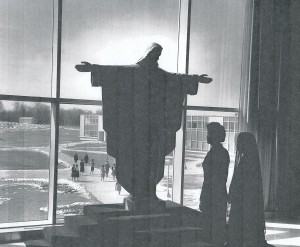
(177, 87)
(117, 93)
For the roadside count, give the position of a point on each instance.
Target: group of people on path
(76, 169)
(104, 174)
(105, 171)
(246, 224)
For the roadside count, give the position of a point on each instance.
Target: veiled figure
(246, 226)
(142, 110)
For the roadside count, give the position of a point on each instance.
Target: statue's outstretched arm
(192, 78)
(84, 67)
(202, 78)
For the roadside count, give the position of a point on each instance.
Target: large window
(51, 117)
(50, 114)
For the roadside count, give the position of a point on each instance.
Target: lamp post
(168, 162)
(67, 134)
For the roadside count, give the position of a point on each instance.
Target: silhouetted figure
(246, 226)
(118, 187)
(73, 172)
(92, 166)
(102, 173)
(86, 159)
(76, 172)
(76, 157)
(142, 111)
(81, 166)
(213, 199)
(106, 168)
(113, 172)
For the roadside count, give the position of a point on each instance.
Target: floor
(283, 235)
(278, 234)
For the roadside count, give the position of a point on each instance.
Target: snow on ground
(5, 126)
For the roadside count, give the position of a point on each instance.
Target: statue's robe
(142, 110)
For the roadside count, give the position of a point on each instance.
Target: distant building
(196, 131)
(91, 127)
(27, 120)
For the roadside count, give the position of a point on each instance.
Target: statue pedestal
(145, 206)
(111, 225)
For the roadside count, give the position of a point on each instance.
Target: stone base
(110, 225)
(145, 206)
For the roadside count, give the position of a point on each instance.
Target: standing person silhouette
(246, 225)
(213, 199)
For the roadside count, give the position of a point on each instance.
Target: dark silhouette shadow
(246, 220)
(213, 199)
(142, 107)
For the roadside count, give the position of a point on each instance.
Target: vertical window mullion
(182, 67)
(54, 143)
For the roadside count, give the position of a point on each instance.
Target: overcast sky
(118, 32)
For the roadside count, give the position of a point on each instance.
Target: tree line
(41, 113)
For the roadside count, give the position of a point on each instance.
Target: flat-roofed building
(91, 127)
(27, 120)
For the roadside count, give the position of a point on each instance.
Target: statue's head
(151, 55)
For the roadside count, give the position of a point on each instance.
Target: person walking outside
(81, 166)
(92, 166)
(102, 173)
(75, 158)
(73, 172)
(118, 187)
(106, 168)
(77, 172)
(113, 172)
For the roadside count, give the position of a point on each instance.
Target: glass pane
(78, 147)
(24, 155)
(114, 32)
(194, 124)
(200, 135)
(195, 153)
(164, 189)
(188, 135)
(189, 124)
(194, 135)
(81, 144)
(200, 124)
(26, 47)
(216, 49)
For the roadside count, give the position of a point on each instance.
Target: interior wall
(274, 100)
(294, 77)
